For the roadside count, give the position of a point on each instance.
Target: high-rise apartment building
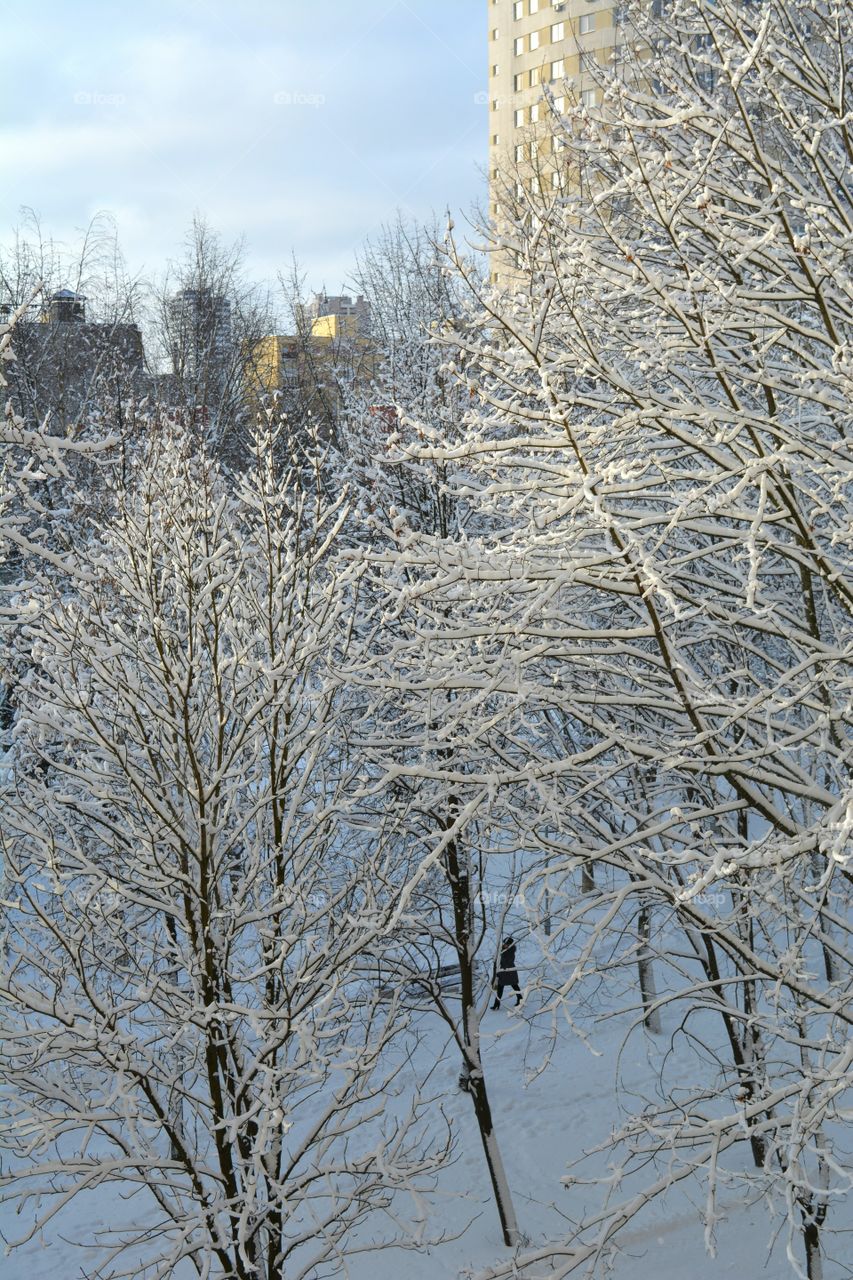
(533, 43)
(200, 334)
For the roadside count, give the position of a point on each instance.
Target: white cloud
(197, 126)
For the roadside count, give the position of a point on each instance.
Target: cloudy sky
(302, 125)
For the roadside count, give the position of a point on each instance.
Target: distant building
(200, 330)
(65, 307)
(275, 363)
(205, 386)
(201, 337)
(338, 316)
(312, 371)
(64, 363)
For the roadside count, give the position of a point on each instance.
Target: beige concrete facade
(531, 44)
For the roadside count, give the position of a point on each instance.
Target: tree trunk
(458, 875)
(746, 1069)
(494, 1161)
(645, 969)
(811, 1240)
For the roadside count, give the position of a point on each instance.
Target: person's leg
(499, 993)
(517, 989)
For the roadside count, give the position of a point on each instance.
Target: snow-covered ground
(543, 1124)
(545, 1120)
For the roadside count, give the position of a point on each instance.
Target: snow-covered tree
(409, 398)
(188, 1024)
(639, 649)
(402, 729)
(208, 319)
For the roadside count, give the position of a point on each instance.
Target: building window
(586, 24)
(534, 40)
(560, 106)
(518, 82)
(519, 117)
(518, 45)
(534, 6)
(558, 31)
(588, 97)
(495, 69)
(535, 76)
(496, 139)
(534, 113)
(495, 33)
(558, 69)
(556, 180)
(519, 154)
(558, 143)
(518, 9)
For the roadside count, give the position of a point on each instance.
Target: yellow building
(314, 372)
(335, 326)
(273, 359)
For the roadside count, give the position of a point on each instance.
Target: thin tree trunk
(811, 1240)
(646, 972)
(706, 955)
(458, 875)
(492, 1152)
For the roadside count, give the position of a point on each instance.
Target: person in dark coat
(506, 974)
